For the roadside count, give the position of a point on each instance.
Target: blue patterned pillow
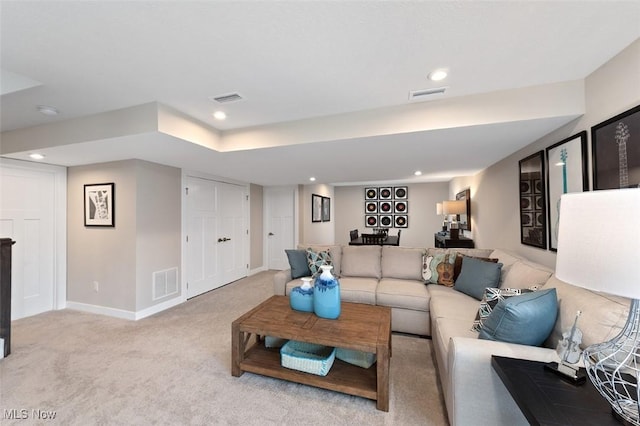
(316, 259)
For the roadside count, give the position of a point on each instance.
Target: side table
(445, 241)
(546, 399)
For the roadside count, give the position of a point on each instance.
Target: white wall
(316, 232)
(423, 221)
(610, 90)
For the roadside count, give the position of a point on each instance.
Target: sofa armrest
(280, 280)
(475, 393)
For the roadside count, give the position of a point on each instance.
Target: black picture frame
(326, 209)
(316, 208)
(533, 212)
(615, 149)
(99, 205)
(566, 172)
(465, 220)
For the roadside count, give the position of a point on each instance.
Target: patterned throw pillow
(439, 269)
(489, 301)
(316, 259)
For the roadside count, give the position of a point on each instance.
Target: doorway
(280, 224)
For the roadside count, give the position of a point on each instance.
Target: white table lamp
(456, 208)
(592, 256)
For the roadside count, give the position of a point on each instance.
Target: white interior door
(280, 225)
(27, 206)
(233, 232)
(202, 267)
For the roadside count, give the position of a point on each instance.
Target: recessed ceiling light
(312, 179)
(437, 75)
(48, 110)
(417, 173)
(219, 115)
(36, 156)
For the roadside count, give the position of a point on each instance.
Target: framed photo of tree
(615, 145)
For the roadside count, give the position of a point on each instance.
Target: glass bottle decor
(326, 294)
(301, 297)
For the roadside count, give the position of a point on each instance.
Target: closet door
(217, 234)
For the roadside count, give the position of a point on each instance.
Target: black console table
(445, 241)
(5, 293)
(546, 399)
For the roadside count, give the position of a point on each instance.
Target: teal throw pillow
(298, 263)
(316, 259)
(476, 275)
(492, 296)
(527, 319)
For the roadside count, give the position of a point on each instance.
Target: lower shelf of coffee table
(342, 377)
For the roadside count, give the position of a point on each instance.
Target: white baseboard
(123, 314)
(257, 270)
(101, 310)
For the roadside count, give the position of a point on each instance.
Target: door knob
(220, 240)
(271, 234)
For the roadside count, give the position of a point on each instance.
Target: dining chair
(353, 235)
(373, 239)
(398, 241)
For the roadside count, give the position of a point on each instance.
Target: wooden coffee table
(361, 327)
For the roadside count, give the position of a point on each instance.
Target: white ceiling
(295, 61)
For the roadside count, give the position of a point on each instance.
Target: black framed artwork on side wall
(99, 205)
(316, 208)
(533, 223)
(326, 209)
(566, 172)
(615, 146)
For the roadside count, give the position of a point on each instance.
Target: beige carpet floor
(175, 368)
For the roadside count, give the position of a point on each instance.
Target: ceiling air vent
(423, 94)
(223, 99)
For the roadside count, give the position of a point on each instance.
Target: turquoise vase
(301, 298)
(326, 294)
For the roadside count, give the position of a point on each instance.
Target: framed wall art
(615, 145)
(326, 209)
(465, 219)
(99, 205)
(566, 172)
(386, 207)
(533, 228)
(316, 208)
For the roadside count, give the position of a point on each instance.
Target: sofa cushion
(335, 250)
(524, 274)
(316, 259)
(298, 263)
(603, 315)
(448, 303)
(402, 262)
(438, 269)
(361, 261)
(489, 301)
(405, 294)
(527, 319)
(358, 290)
(476, 275)
(458, 265)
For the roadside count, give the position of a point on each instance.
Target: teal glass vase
(301, 297)
(326, 294)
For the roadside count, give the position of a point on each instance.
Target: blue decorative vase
(326, 294)
(301, 298)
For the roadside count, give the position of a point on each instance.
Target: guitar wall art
(616, 151)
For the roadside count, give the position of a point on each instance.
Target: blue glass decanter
(326, 294)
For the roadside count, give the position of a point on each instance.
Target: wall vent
(223, 99)
(424, 93)
(165, 283)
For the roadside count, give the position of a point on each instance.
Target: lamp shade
(454, 207)
(599, 241)
(438, 208)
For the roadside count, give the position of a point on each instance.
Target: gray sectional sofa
(473, 393)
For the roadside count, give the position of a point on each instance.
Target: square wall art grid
(386, 207)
